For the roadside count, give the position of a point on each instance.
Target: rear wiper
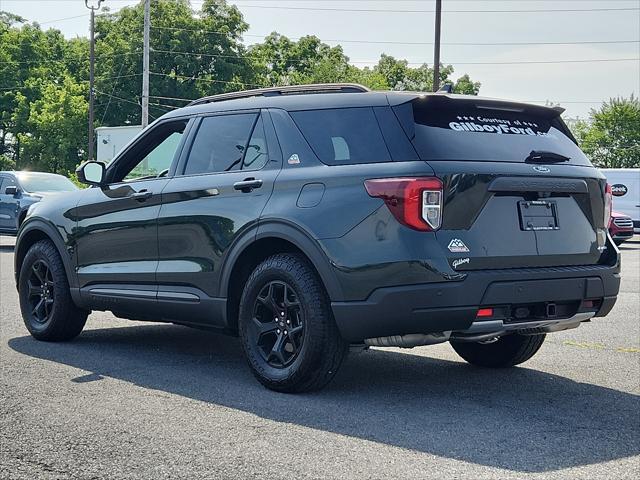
(542, 156)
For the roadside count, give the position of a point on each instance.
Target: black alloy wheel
(286, 327)
(41, 293)
(277, 326)
(47, 307)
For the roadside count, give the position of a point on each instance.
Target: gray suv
(20, 190)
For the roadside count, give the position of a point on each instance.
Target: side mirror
(11, 190)
(91, 173)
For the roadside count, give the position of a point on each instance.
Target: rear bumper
(452, 306)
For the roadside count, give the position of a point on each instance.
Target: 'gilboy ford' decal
(495, 125)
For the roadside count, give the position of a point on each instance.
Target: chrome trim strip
(489, 326)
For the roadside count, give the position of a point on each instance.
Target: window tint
(343, 135)
(459, 131)
(220, 144)
(156, 151)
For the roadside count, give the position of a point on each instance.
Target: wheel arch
(34, 230)
(263, 241)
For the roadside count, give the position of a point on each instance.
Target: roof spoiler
(444, 100)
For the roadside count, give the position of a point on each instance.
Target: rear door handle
(247, 184)
(142, 195)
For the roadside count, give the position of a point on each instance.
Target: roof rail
(286, 90)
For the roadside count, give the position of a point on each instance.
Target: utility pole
(92, 58)
(145, 65)
(436, 47)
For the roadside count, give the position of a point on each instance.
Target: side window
(343, 135)
(152, 155)
(1, 188)
(222, 144)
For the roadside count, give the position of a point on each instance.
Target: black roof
(297, 98)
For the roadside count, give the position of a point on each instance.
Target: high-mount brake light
(608, 202)
(414, 202)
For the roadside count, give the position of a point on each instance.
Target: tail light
(608, 200)
(414, 202)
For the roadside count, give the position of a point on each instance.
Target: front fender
(34, 229)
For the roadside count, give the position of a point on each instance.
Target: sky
(364, 28)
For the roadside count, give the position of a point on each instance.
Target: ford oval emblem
(541, 169)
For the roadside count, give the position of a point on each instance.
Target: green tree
(611, 137)
(30, 59)
(192, 54)
(400, 76)
(55, 126)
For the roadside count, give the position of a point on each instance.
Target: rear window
(342, 136)
(450, 130)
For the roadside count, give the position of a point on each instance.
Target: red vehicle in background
(620, 227)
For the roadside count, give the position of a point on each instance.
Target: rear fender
(281, 229)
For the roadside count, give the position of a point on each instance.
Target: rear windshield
(342, 136)
(464, 131)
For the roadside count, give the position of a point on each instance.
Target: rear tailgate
(503, 206)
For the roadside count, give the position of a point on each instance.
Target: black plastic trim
(444, 306)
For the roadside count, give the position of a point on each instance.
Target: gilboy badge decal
(460, 261)
(457, 246)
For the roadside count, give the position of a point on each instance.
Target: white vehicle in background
(625, 187)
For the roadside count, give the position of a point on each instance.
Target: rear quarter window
(342, 136)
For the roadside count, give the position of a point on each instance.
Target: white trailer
(112, 139)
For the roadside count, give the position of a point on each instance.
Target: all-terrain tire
(57, 318)
(507, 351)
(321, 348)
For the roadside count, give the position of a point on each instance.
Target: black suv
(305, 219)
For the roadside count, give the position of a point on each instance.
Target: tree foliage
(44, 77)
(611, 137)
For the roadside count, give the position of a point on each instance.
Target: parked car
(625, 187)
(620, 227)
(20, 190)
(305, 219)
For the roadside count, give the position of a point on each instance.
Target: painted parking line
(600, 346)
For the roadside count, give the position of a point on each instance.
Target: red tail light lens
(414, 202)
(608, 201)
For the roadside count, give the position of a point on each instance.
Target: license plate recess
(538, 215)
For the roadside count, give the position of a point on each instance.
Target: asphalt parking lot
(141, 400)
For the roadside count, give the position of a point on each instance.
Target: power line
(172, 98)
(534, 62)
(172, 107)
(53, 60)
(117, 98)
(62, 19)
(249, 57)
(389, 42)
(120, 99)
(381, 10)
(183, 77)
